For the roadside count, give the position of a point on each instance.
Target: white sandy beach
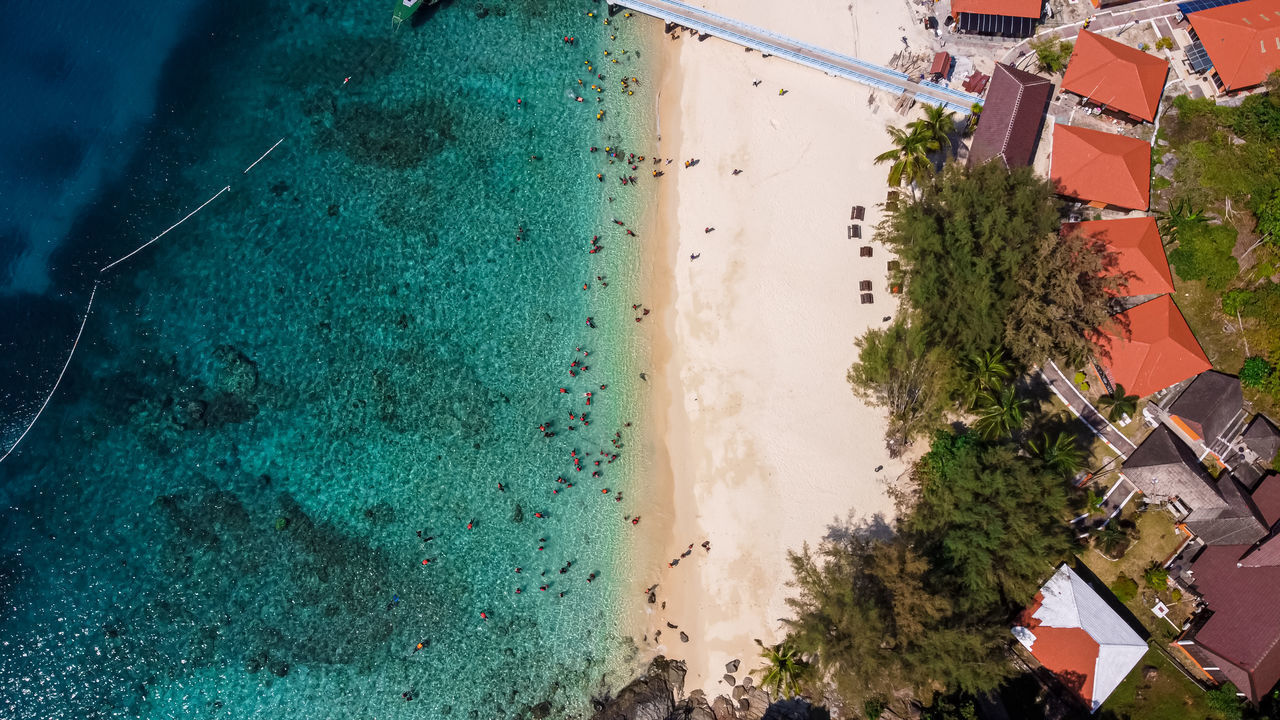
(767, 445)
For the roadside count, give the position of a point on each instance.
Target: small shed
(941, 66)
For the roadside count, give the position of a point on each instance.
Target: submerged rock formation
(659, 695)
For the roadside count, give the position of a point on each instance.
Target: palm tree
(938, 123)
(783, 669)
(910, 156)
(1113, 539)
(985, 372)
(1000, 412)
(1119, 403)
(1059, 452)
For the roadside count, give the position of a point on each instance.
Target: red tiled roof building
(1072, 631)
(1242, 40)
(1117, 76)
(1138, 253)
(1011, 18)
(1149, 347)
(1103, 169)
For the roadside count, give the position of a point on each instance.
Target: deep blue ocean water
(218, 515)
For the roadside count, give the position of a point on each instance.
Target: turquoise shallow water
(218, 515)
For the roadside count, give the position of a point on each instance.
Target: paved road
(1067, 392)
(832, 63)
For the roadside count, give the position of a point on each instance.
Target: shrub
(1204, 253)
(1235, 301)
(1156, 577)
(1052, 54)
(1125, 588)
(874, 707)
(1225, 702)
(1164, 43)
(1256, 372)
(1175, 595)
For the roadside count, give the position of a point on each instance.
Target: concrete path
(1097, 422)
(832, 63)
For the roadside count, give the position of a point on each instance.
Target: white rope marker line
(65, 365)
(166, 232)
(268, 152)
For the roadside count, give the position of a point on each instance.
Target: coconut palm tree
(1059, 451)
(1113, 539)
(909, 156)
(1000, 412)
(938, 123)
(1120, 404)
(984, 372)
(783, 669)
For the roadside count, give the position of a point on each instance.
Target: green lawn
(1156, 541)
(1167, 696)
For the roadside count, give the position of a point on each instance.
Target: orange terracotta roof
(1243, 40)
(1012, 8)
(1101, 167)
(1116, 75)
(1139, 257)
(1149, 347)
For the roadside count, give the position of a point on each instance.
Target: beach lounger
(868, 298)
(894, 266)
(855, 232)
(865, 251)
(864, 285)
(859, 212)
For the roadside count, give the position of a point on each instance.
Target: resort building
(1008, 18)
(1238, 43)
(1165, 470)
(1009, 127)
(1137, 252)
(1149, 348)
(1102, 169)
(1208, 414)
(1122, 79)
(1236, 638)
(1080, 637)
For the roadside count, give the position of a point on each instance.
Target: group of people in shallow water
(578, 415)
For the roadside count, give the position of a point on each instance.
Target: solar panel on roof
(1198, 58)
(1197, 5)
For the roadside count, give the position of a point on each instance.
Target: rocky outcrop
(657, 695)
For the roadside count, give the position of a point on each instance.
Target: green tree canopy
(991, 518)
(965, 244)
(896, 371)
(979, 529)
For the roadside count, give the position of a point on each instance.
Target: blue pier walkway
(832, 63)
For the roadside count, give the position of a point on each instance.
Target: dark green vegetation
(1052, 54)
(986, 272)
(880, 612)
(1222, 227)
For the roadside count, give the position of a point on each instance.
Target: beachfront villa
(1149, 348)
(1123, 80)
(1007, 18)
(1009, 127)
(1236, 637)
(1238, 44)
(1079, 636)
(1138, 253)
(1101, 169)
